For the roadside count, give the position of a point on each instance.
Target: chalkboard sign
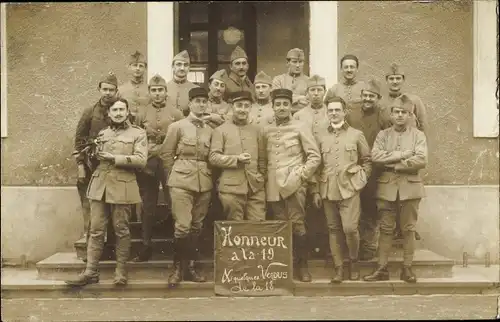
(253, 258)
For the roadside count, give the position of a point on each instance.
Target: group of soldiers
(271, 146)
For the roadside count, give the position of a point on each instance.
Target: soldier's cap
(157, 80)
(263, 78)
(295, 53)
(183, 56)
(316, 80)
(238, 52)
(137, 57)
(109, 79)
(403, 102)
(240, 96)
(197, 92)
(281, 93)
(395, 69)
(220, 75)
(336, 99)
(372, 86)
(351, 57)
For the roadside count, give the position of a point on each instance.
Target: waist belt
(392, 170)
(187, 157)
(158, 139)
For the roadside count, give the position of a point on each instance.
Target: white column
(160, 38)
(323, 36)
(485, 112)
(3, 55)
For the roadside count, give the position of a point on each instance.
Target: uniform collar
(394, 94)
(214, 99)
(344, 126)
(137, 81)
(317, 107)
(235, 78)
(196, 121)
(121, 126)
(282, 121)
(160, 105)
(263, 102)
(179, 81)
(401, 130)
(239, 123)
(349, 82)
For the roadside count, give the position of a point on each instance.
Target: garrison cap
(157, 80)
(372, 86)
(238, 52)
(394, 69)
(295, 53)
(197, 92)
(240, 96)
(351, 57)
(316, 80)
(404, 102)
(109, 79)
(282, 93)
(137, 57)
(263, 78)
(182, 56)
(219, 75)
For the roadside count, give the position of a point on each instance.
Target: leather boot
(380, 274)
(120, 275)
(84, 279)
(302, 261)
(176, 275)
(122, 252)
(407, 275)
(144, 255)
(354, 270)
(339, 275)
(194, 275)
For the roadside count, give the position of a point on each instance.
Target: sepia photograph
(250, 160)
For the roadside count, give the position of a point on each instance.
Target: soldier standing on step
(218, 109)
(237, 148)
(292, 158)
(262, 108)
(155, 118)
(402, 151)
(366, 117)
(185, 156)
(135, 91)
(93, 120)
(113, 190)
(344, 172)
(238, 79)
(178, 88)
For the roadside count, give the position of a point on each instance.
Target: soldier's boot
(338, 276)
(194, 275)
(91, 273)
(407, 275)
(354, 270)
(122, 255)
(302, 261)
(179, 249)
(120, 275)
(380, 274)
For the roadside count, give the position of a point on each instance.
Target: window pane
(227, 41)
(198, 12)
(198, 46)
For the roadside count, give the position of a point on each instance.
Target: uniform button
(315, 112)
(277, 152)
(336, 149)
(337, 164)
(337, 157)
(277, 145)
(158, 130)
(337, 141)
(258, 115)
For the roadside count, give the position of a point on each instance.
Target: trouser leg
(233, 205)
(256, 206)
(368, 225)
(120, 215)
(387, 211)
(99, 217)
(408, 221)
(149, 189)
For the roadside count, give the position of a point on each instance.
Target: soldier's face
(108, 92)
(157, 93)
(262, 91)
(217, 88)
(181, 69)
(282, 107)
(335, 112)
(241, 109)
(349, 69)
(137, 69)
(118, 112)
(315, 94)
(295, 66)
(395, 82)
(239, 66)
(198, 105)
(399, 116)
(370, 99)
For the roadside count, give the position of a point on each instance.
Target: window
(3, 71)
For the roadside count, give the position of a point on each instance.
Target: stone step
(62, 266)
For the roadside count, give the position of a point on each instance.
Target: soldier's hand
(407, 154)
(105, 156)
(317, 202)
(302, 100)
(81, 173)
(244, 158)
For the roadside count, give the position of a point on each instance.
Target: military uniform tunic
(419, 115)
(136, 94)
(178, 95)
(185, 155)
(235, 84)
(312, 117)
(298, 85)
(292, 158)
(261, 114)
(241, 186)
(350, 92)
(220, 110)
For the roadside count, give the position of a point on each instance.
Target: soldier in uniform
(350, 87)
(345, 171)
(238, 149)
(155, 118)
(366, 117)
(314, 113)
(135, 91)
(178, 88)
(92, 121)
(238, 79)
(294, 79)
(292, 158)
(185, 157)
(113, 190)
(218, 109)
(402, 151)
(262, 109)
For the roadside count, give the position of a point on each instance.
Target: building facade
(53, 56)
